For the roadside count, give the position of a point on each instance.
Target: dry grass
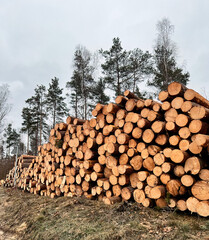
(27, 216)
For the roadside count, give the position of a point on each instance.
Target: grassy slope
(27, 216)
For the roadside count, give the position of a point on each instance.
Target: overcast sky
(38, 38)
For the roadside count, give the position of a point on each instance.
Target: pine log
(149, 164)
(157, 192)
(163, 96)
(200, 190)
(126, 193)
(158, 126)
(202, 208)
(193, 165)
(148, 136)
(177, 102)
(175, 188)
(199, 112)
(187, 180)
(182, 120)
(170, 115)
(204, 174)
(139, 195)
(176, 88)
(191, 203)
(191, 95)
(181, 205)
(136, 162)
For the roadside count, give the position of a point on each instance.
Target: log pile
(23, 163)
(151, 152)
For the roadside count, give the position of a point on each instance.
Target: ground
(28, 216)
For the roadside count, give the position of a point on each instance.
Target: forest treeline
(96, 77)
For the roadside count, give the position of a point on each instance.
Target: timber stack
(154, 153)
(23, 163)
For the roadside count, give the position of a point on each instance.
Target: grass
(79, 218)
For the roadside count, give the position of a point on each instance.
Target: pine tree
(99, 94)
(28, 125)
(82, 83)
(34, 118)
(116, 67)
(12, 138)
(141, 67)
(56, 106)
(75, 86)
(166, 69)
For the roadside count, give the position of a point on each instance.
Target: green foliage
(116, 67)
(12, 138)
(34, 119)
(165, 66)
(99, 94)
(56, 107)
(140, 66)
(82, 83)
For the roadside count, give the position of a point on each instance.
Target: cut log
(193, 165)
(174, 140)
(184, 144)
(184, 132)
(171, 126)
(111, 200)
(136, 162)
(121, 100)
(165, 178)
(191, 95)
(158, 126)
(159, 159)
(136, 133)
(123, 138)
(161, 139)
(163, 96)
(199, 112)
(116, 189)
(182, 120)
(166, 106)
(179, 156)
(175, 188)
(131, 105)
(142, 175)
(152, 180)
(126, 193)
(181, 205)
(191, 203)
(153, 149)
(170, 115)
(139, 195)
(176, 88)
(200, 190)
(187, 180)
(202, 140)
(148, 136)
(143, 123)
(129, 94)
(179, 170)
(149, 164)
(157, 192)
(202, 208)
(204, 174)
(167, 167)
(177, 102)
(195, 148)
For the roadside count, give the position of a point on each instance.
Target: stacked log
(23, 163)
(154, 153)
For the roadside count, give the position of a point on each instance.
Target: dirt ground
(28, 216)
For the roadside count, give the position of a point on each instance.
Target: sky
(38, 38)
